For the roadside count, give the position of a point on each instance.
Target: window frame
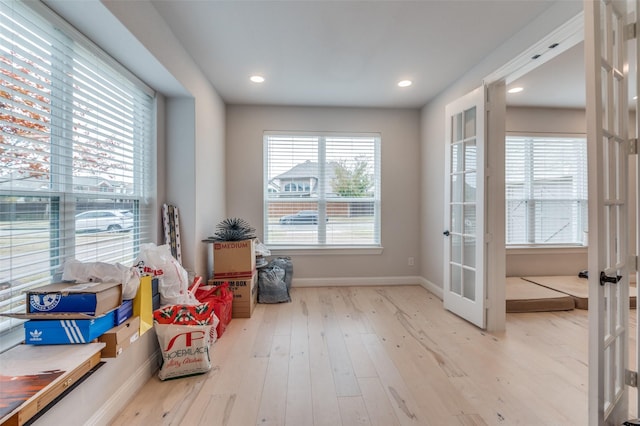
(532, 246)
(322, 247)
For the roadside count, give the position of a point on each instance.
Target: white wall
(195, 176)
(432, 134)
(400, 183)
(554, 121)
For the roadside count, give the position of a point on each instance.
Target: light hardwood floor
(379, 356)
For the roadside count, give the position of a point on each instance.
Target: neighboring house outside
(34, 207)
(302, 180)
(84, 184)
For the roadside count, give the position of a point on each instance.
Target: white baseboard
(120, 399)
(355, 281)
(368, 281)
(436, 290)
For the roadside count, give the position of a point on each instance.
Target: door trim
(496, 253)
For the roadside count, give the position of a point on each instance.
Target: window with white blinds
(322, 190)
(76, 151)
(546, 190)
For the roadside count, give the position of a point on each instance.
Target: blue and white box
(84, 298)
(66, 331)
(123, 312)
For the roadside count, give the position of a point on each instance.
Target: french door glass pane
(470, 252)
(470, 123)
(456, 279)
(456, 248)
(470, 187)
(469, 285)
(456, 218)
(470, 155)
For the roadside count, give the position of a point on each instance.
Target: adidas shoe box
(66, 331)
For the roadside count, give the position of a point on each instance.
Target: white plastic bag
(261, 249)
(173, 280)
(74, 270)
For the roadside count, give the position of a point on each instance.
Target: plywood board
(525, 296)
(576, 287)
(33, 376)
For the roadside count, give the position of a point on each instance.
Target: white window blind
(546, 190)
(76, 151)
(322, 190)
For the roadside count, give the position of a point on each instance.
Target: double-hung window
(321, 190)
(546, 190)
(76, 154)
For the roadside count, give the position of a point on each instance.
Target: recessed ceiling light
(257, 78)
(405, 83)
(515, 90)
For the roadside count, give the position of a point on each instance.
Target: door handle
(604, 278)
(446, 233)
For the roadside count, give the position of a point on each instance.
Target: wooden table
(31, 377)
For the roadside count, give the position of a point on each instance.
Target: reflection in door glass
(456, 218)
(470, 155)
(608, 394)
(470, 123)
(456, 188)
(469, 254)
(470, 219)
(456, 157)
(456, 279)
(456, 248)
(470, 187)
(456, 134)
(469, 276)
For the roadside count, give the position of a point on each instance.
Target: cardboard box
(245, 294)
(123, 312)
(65, 331)
(120, 337)
(234, 259)
(92, 299)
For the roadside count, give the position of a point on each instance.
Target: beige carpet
(525, 296)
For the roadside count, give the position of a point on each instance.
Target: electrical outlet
(410, 261)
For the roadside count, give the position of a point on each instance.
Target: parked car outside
(104, 220)
(304, 217)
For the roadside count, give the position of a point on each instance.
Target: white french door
(464, 282)
(607, 138)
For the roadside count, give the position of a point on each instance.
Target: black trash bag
(271, 285)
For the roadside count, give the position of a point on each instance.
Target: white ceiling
(352, 53)
(560, 82)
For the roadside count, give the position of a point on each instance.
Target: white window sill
(11, 338)
(320, 251)
(538, 249)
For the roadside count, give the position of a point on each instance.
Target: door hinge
(630, 31)
(633, 263)
(632, 147)
(631, 378)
